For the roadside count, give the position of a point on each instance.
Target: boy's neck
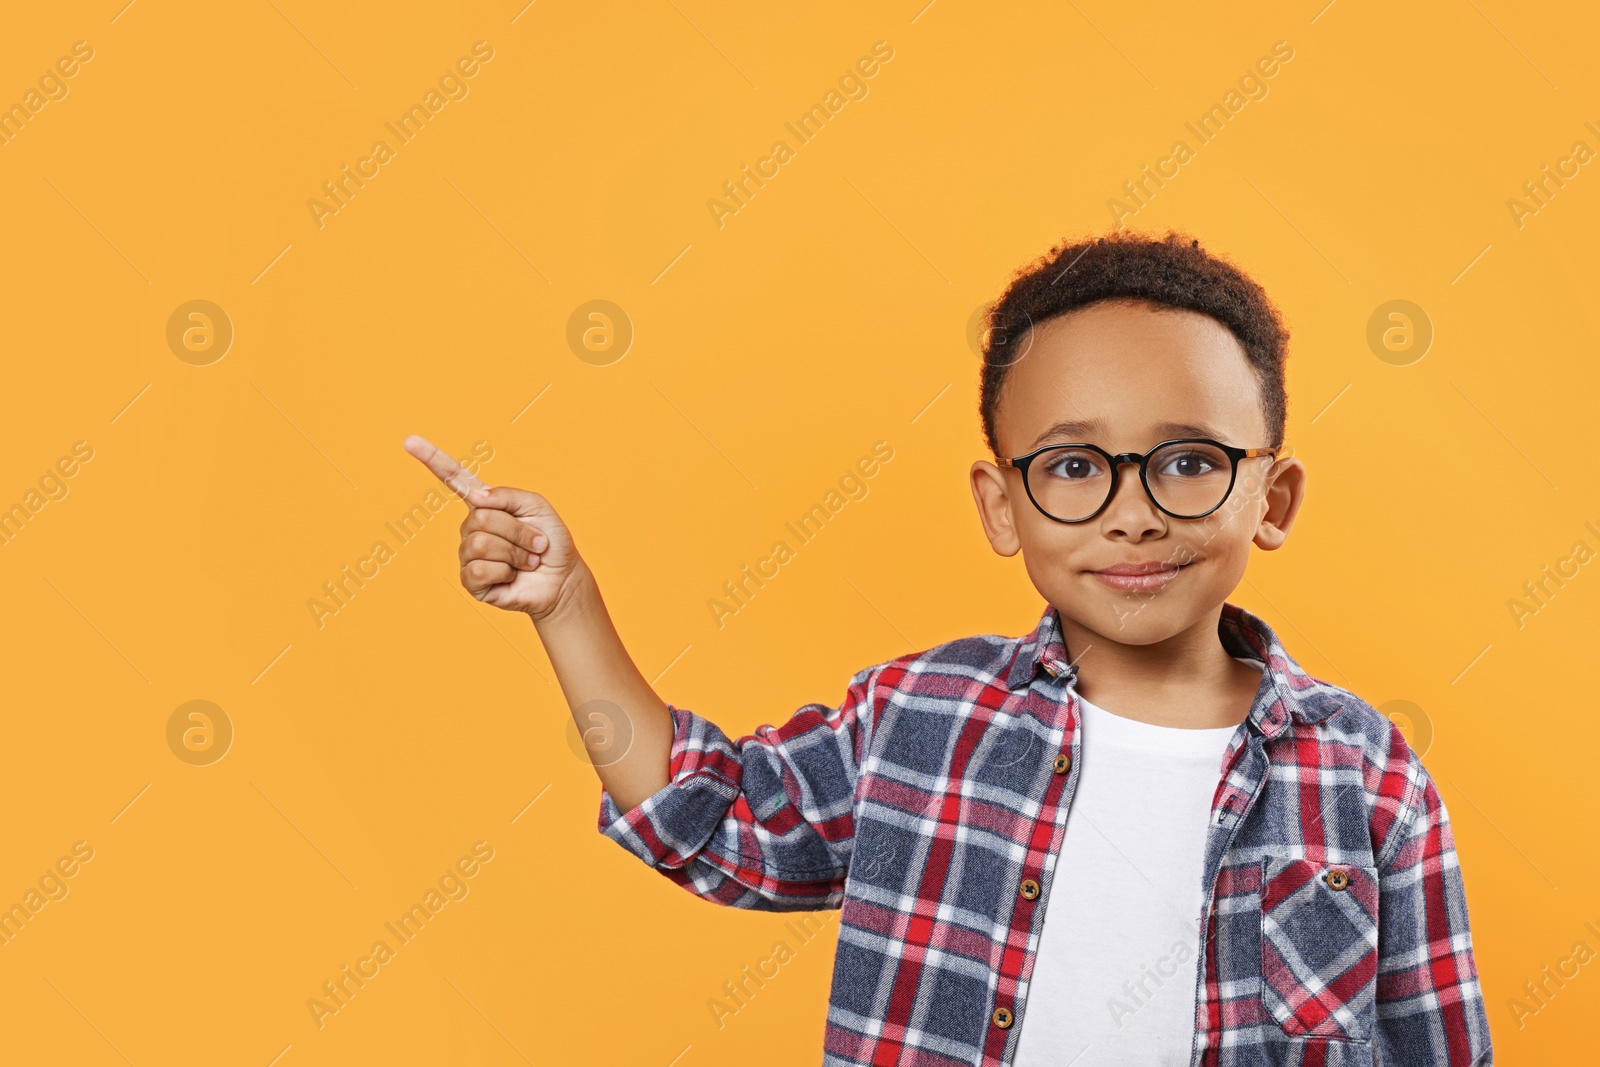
(1188, 680)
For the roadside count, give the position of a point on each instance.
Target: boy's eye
(1187, 465)
(1073, 466)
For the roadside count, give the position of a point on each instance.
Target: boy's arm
(1429, 1001)
(608, 696)
(766, 822)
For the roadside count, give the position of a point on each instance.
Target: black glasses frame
(1021, 463)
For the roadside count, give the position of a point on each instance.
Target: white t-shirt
(1113, 981)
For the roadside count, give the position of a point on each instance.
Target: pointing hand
(515, 551)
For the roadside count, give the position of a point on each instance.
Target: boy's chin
(1135, 620)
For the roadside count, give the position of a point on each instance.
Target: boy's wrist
(579, 593)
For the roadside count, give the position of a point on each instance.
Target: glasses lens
(1070, 483)
(1190, 478)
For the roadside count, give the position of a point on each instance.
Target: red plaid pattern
(1335, 929)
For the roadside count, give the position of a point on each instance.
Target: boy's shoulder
(1397, 784)
(1355, 722)
(1352, 717)
(952, 666)
(1353, 740)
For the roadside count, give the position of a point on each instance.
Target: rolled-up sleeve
(1429, 1001)
(765, 822)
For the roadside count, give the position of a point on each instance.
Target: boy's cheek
(1219, 573)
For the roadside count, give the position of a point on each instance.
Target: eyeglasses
(1187, 478)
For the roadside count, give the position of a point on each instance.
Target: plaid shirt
(931, 804)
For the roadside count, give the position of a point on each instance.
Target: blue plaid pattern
(1335, 928)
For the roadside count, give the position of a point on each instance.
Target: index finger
(448, 471)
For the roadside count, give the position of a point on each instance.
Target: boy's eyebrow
(1084, 429)
(1186, 429)
(1071, 429)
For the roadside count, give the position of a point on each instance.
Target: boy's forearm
(610, 700)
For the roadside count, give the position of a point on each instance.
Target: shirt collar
(1287, 691)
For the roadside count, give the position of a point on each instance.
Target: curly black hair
(1171, 271)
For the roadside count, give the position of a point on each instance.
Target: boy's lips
(1151, 574)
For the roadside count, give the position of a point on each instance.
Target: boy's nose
(1131, 512)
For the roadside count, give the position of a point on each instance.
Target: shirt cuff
(667, 828)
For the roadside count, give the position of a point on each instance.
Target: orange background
(831, 311)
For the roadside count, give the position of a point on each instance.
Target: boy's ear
(1286, 490)
(994, 507)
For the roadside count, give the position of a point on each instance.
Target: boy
(1140, 834)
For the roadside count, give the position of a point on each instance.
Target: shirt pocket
(1319, 947)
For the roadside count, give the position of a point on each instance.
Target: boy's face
(1126, 376)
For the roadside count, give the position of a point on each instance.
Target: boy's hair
(1172, 271)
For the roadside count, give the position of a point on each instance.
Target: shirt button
(1030, 889)
(1002, 1018)
(1063, 763)
(1337, 879)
